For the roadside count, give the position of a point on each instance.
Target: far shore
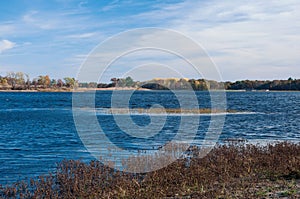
(76, 90)
(123, 89)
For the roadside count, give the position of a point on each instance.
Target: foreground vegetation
(228, 171)
(22, 81)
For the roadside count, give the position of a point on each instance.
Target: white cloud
(82, 36)
(32, 18)
(246, 39)
(6, 45)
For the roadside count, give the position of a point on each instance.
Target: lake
(37, 130)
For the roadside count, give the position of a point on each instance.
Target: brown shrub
(228, 171)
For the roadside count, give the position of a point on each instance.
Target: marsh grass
(228, 171)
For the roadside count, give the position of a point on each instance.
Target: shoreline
(77, 90)
(65, 89)
(130, 89)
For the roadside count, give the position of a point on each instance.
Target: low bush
(228, 171)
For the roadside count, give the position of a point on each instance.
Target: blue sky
(245, 39)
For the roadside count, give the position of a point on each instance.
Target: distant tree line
(289, 84)
(203, 85)
(115, 82)
(21, 81)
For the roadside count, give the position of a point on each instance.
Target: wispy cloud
(32, 18)
(82, 36)
(6, 45)
(246, 39)
(111, 5)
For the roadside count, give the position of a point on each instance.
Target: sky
(244, 39)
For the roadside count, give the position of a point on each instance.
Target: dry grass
(228, 171)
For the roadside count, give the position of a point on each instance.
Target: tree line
(22, 81)
(203, 85)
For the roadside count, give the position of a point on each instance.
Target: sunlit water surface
(37, 130)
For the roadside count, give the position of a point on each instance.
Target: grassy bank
(228, 171)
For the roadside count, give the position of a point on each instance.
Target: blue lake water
(37, 130)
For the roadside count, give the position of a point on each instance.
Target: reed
(228, 171)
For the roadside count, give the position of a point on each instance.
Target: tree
(70, 82)
(121, 83)
(92, 85)
(20, 80)
(27, 83)
(53, 83)
(15, 79)
(43, 81)
(3, 82)
(60, 83)
(47, 81)
(11, 79)
(290, 83)
(34, 82)
(129, 82)
(114, 82)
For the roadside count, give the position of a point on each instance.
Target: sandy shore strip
(79, 89)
